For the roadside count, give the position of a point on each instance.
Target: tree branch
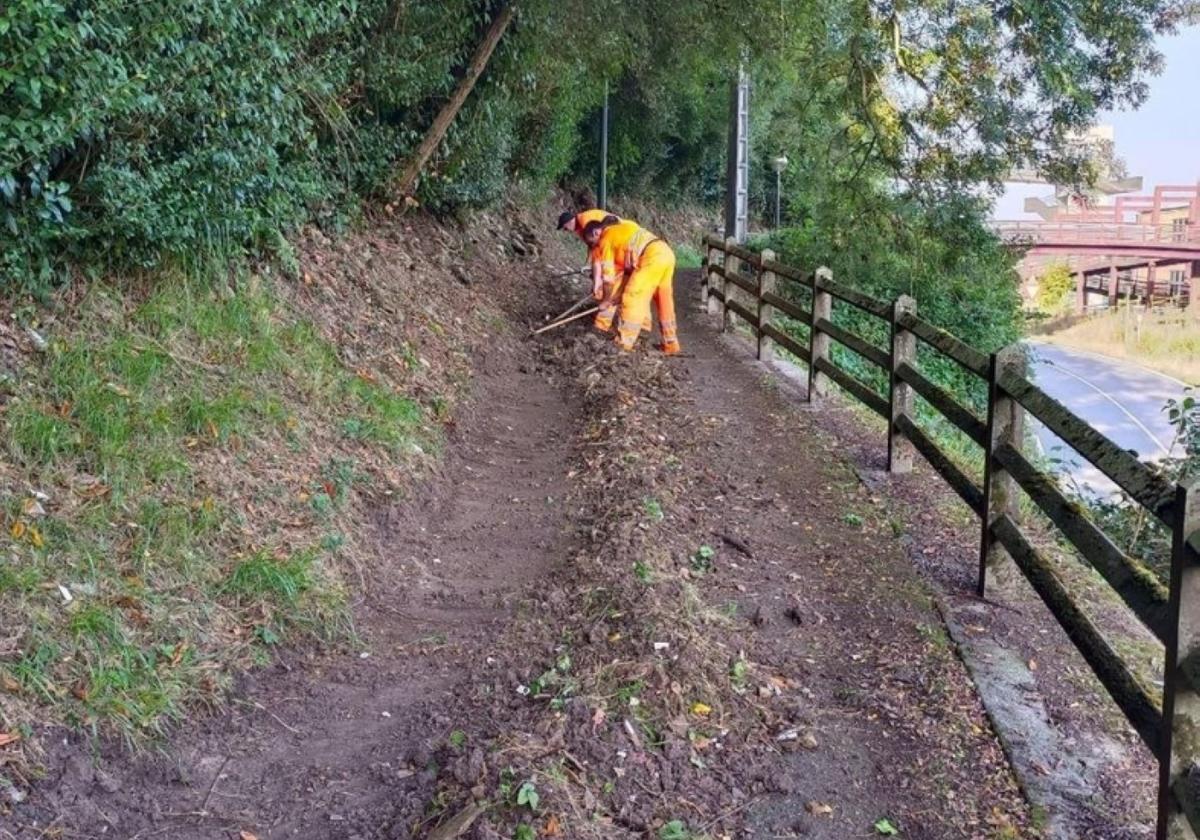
(441, 124)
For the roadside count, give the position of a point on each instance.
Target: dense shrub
(134, 131)
(130, 131)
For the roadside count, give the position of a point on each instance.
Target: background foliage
(1055, 286)
(134, 131)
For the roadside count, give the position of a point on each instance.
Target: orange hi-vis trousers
(651, 280)
(607, 312)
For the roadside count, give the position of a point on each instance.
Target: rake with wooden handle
(574, 307)
(561, 321)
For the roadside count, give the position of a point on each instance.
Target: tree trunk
(437, 131)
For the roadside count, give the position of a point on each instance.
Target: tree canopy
(133, 131)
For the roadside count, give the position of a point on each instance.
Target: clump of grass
(381, 416)
(141, 587)
(290, 593)
(687, 257)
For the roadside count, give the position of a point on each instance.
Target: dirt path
(795, 681)
(886, 714)
(325, 745)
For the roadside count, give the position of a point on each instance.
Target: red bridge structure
(1140, 247)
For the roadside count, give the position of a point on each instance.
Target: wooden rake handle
(561, 321)
(573, 307)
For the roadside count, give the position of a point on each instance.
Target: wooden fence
(740, 283)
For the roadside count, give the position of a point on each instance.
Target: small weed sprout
(527, 795)
(702, 559)
(653, 509)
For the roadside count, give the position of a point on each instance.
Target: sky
(1160, 141)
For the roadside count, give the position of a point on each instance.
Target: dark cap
(563, 218)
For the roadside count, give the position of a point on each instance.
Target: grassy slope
(1168, 342)
(186, 472)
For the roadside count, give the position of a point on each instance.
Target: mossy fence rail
(742, 284)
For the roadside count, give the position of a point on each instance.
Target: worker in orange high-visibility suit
(607, 313)
(648, 264)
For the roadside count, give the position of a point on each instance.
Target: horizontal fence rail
(739, 283)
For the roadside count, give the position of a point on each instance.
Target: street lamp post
(778, 164)
(603, 195)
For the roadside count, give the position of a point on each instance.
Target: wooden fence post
(904, 349)
(1180, 736)
(714, 283)
(732, 265)
(766, 283)
(818, 342)
(1005, 424)
(706, 277)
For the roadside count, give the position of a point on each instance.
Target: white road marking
(1166, 450)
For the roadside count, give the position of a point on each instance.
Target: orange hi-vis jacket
(611, 255)
(649, 264)
(620, 249)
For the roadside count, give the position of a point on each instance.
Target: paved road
(1122, 400)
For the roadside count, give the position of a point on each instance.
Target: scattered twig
(177, 357)
(280, 721)
(729, 812)
(204, 805)
(457, 825)
(738, 543)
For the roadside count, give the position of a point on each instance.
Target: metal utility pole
(602, 194)
(778, 164)
(737, 175)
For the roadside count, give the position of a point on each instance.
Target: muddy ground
(643, 597)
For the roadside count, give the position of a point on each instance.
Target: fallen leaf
(17, 530)
(552, 829)
(7, 738)
(1033, 665)
(819, 809)
(701, 709)
(246, 835)
(36, 538)
(9, 684)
